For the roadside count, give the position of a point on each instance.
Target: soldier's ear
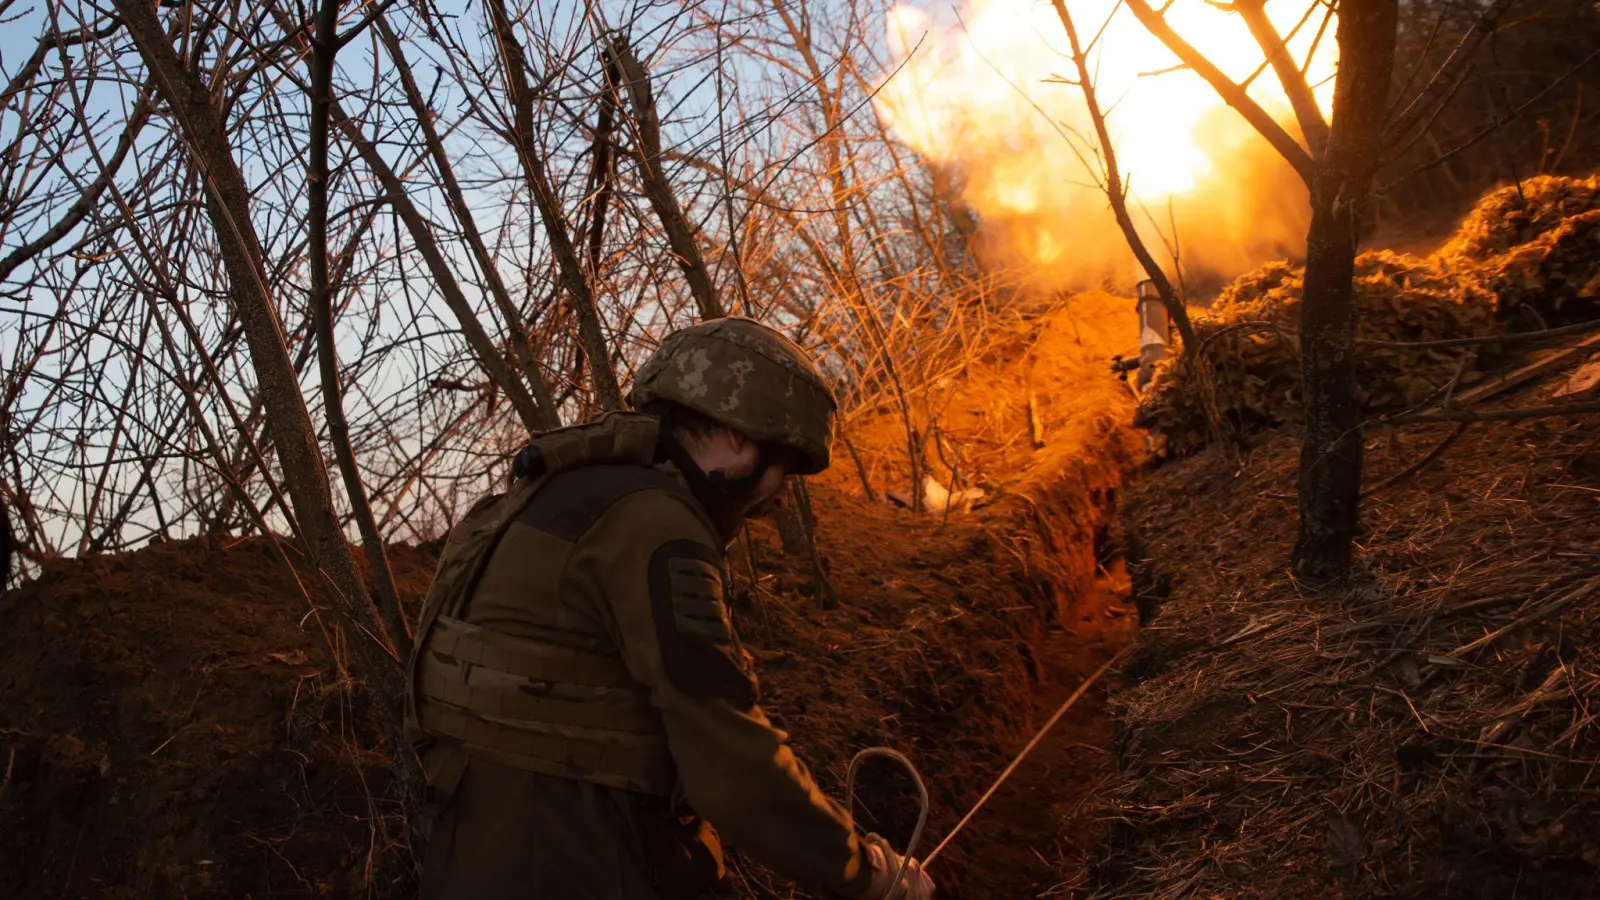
(740, 444)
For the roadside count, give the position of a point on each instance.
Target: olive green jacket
(628, 559)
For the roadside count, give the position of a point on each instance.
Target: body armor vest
(560, 701)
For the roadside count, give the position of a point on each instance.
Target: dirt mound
(1537, 246)
(1029, 399)
(1248, 374)
(171, 725)
(1430, 734)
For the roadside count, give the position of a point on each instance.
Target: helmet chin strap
(724, 498)
(743, 488)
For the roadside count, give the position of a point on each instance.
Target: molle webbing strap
(647, 770)
(540, 707)
(457, 641)
(536, 687)
(592, 713)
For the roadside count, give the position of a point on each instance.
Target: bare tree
(1338, 168)
(1110, 180)
(228, 204)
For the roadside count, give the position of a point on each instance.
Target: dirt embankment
(172, 725)
(1429, 733)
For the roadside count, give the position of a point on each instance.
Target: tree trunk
(1330, 457)
(521, 96)
(647, 144)
(325, 46)
(227, 204)
(797, 530)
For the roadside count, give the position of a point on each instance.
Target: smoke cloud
(987, 95)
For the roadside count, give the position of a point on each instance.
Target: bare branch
(1447, 79)
(514, 70)
(469, 228)
(1116, 192)
(647, 127)
(1293, 79)
(1232, 94)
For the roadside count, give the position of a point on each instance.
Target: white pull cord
(922, 799)
(922, 791)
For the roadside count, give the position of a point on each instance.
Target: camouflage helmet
(748, 377)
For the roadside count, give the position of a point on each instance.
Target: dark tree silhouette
(1337, 160)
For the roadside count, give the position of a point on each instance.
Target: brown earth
(172, 724)
(949, 649)
(1429, 732)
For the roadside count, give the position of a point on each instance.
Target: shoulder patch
(697, 606)
(699, 650)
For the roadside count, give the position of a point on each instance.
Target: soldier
(583, 708)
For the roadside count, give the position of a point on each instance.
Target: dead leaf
(1345, 844)
(1584, 380)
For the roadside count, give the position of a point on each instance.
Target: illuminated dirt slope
(954, 641)
(171, 726)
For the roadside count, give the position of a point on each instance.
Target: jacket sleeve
(657, 567)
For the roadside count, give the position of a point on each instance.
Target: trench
(187, 677)
(1034, 836)
(1037, 830)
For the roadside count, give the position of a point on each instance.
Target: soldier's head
(746, 402)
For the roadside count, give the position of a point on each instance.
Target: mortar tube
(1154, 330)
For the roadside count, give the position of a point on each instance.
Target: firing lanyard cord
(922, 791)
(922, 800)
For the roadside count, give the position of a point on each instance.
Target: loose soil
(1031, 836)
(171, 726)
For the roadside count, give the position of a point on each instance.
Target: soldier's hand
(916, 885)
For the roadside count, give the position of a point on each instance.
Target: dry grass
(1429, 733)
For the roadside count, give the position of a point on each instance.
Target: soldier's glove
(916, 885)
